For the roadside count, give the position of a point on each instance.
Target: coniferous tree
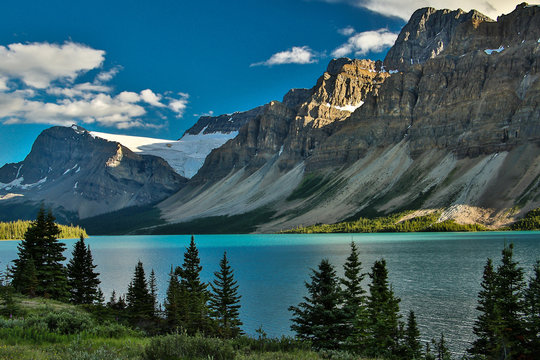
(225, 301)
(532, 311)
(82, 279)
(509, 294)
(442, 351)
(354, 296)
(174, 302)
(138, 298)
(413, 347)
(383, 314)
(319, 318)
(152, 284)
(40, 244)
(194, 291)
(484, 326)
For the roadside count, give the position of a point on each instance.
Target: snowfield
(186, 156)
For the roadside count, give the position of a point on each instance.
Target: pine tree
(354, 296)
(195, 293)
(225, 301)
(82, 279)
(40, 244)
(319, 318)
(442, 351)
(532, 311)
(484, 326)
(174, 302)
(413, 347)
(509, 294)
(138, 298)
(383, 314)
(153, 290)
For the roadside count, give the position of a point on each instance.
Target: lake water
(437, 275)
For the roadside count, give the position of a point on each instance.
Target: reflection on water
(436, 275)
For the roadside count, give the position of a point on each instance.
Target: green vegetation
(15, 230)
(123, 221)
(233, 224)
(309, 186)
(389, 223)
(531, 221)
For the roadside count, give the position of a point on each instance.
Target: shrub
(61, 322)
(180, 346)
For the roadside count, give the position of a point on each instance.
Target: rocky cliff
(80, 175)
(451, 121)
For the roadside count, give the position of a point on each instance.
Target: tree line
(338, 314)
(15, 230)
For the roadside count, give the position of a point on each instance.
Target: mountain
(449, 121)
(80, 175)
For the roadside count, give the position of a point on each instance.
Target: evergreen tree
(225, 301)
(174, 302)
(354, 296)
(413, 347)
(153, 290)
(383, 314)
(509, 305)
(82, 279)
(138, 298)
(442, 351)
(194, 292)
(319, 318)
(484, 326)
(532, 311)
(41, 245)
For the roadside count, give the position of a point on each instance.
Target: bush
(61, 322)
(180, 346)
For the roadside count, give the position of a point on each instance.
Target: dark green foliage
(15, 230)
(180, 346)
(140, 304)
(532, 311)
(391, 223)
(484, 326)
(40, 244)
(82, 278)
(174, 302)
(224, 301)
(531, 221)
(9, 307)
(319, 318)
(234, 224)
(124, 221)
(354, 296)
(383, 333)
(152, 285)
(441, 349)
(411, 341)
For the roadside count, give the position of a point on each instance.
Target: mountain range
(448, 122)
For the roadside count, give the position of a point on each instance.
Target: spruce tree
(354, 296)
(54, 272)
(82, 279)
(442, 351)
(195, 292)
(509, 294)
(152, 284)
(319, 318)
(174, 302)
(484, 326)
(383, 314)
(138, 298)
(413, 347)
(532, 311)
(225, 301)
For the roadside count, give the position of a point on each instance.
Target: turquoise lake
(437, 275)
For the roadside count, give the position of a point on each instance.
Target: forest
(54, 311)
(15, 230)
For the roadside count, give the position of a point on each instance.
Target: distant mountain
(80, 175)
(450, 120)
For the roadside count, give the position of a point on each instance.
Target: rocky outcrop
(225, 123)
(70, 170)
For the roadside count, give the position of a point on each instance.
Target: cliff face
(82, 175)
(454, 124)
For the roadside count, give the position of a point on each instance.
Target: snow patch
(18, 183)
(491, 51)
(392, 72)
(280, 150)
(186, 156)
(350, 108)
(76, 184)
(19, 171)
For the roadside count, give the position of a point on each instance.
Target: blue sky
(150, 68)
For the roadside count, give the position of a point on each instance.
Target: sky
(152, 68)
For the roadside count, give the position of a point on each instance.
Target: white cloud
(39, 84)
(347, 31)
(209, 113)
(179, 105)
(365, 42)
(38, 64)
(404, 9)
(296, 55)
(151, 98)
